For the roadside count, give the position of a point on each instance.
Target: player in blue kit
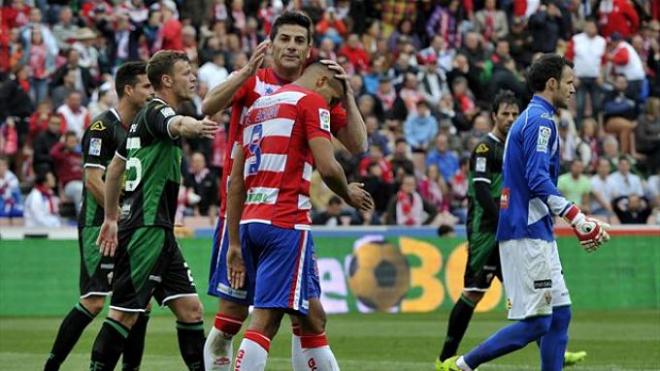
(537, 297)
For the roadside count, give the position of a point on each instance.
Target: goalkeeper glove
(591, 232)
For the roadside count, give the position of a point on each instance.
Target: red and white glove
(591, 232)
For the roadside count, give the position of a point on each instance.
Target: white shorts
(533, 277)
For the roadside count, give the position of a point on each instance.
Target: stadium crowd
(424, 74)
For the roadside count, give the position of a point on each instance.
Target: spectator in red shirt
(16, 14)
(331, 26)
(40, 120)
(68, 167)
(357, 56)
(618, 16)
(376, 156)
(171, 30)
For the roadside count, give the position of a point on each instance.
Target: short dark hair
(503, 97)
(127, 75)
(334, 200)
(546, 67)
(162, 63)
(292, 18)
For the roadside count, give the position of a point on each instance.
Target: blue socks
(509, 339)
(553, 344)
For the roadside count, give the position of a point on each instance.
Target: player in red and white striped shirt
(283, 136)
(291, 44)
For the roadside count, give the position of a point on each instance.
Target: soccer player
(290, 42)
(148, 260)
(100, 141)
(283, 137)
(537, 296)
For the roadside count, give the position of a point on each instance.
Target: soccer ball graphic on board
(379, 275)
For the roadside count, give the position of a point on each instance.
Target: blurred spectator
(601, 203)
(444, 21)
(331, 27)
(355, 53)
(380, 190)
(432, 80)
(41, 63)
(626, 62)
(11, 200)
(170, 32)
(443, 158)
(75, 115)
(575, 186)
(106, 100)
(65, 29)
(547, 26)
(520, 42)
(623, 183)
(213, 72)
(587, 145)
(375, 156)
(490, 22)
(14, 94)
(434, 188)
(15, 14)
(40, 120)
(333, 215)
(611, 151)
(464, 104)
(67, 159)
(189, 38)
(400, 160)
(647, 134)
(620, 114)
(443, 55)
(407, 207)
(42, 161)
(36, 24)
(60, 93)
(632, 209)
(386, 93)
(586, 50)
(408, 97)
(506, 76)
(82, 78)
(374, 136)
(617, 16)
(420, 128)
(9, 141)
(459, 188)
(85, 45)
(370, 37)
(205, 184)
(42, 205)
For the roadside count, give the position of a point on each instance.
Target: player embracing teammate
(537, 296)
(290, 43)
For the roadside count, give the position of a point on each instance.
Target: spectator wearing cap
(586, 50)
(432, 82)
(491, 22)
(442, 157)
(89, 54)
(626, 61)
(617, 16)
(41, 204)
(420, 127)
(65, 29)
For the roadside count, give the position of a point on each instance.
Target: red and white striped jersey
(278, 159)
(264, 82)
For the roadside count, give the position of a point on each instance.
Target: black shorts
(95, 269)
(483, 262)
(148, 263)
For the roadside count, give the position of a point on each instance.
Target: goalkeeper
(537, 297)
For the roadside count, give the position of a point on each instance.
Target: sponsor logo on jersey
(480, 165)
(543, 284)
(95, 146)
(97, 126)
(167, 112)
(324, 118)
(543, 139)
(482, 148)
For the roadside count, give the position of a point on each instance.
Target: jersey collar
(494, 137)
(116, 113)
(541, 101)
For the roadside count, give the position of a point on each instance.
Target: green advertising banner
(395, 274)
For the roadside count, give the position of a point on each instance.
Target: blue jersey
(531, 167)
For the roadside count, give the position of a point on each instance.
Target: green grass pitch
(616, 341)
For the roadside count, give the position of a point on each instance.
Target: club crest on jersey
(543, 139)
(324, 119)
(97, 126)
(95, 146)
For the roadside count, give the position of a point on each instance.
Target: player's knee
(538, 326)
(188, 309)
(232, 309)
(473, 296)
(127, 319)
(315, 321)
(93, 304)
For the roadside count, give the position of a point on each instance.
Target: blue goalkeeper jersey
(531, 167)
